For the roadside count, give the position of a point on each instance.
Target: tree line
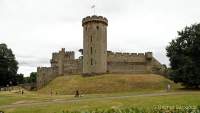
(184, 57)
(9, 67)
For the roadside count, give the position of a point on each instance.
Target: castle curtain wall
(127, 63)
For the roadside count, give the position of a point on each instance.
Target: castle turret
(61, 55)
(94, 44)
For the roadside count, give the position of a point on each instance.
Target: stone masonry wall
(94, 44)
(62, 63)
(126, 67)
(73, 67)
(132, 63)
(116, 63)
(45, 75)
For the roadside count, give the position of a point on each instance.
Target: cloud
(32, 61)
(34, 29)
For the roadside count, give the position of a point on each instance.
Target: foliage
(137, 110)
(27, 80)
(31, 79)
(8, 66)
(33, 76)
(184, 56)
(20, 78)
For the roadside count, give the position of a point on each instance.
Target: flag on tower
(93, 6)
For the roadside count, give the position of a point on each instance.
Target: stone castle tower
(94, 44)
(96, 59)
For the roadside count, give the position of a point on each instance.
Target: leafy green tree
(184, 56)
(8, 66)
(20, 78)
(33, 76)
(27, 80)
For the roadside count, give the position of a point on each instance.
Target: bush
(183, 109)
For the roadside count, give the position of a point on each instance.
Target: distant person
(22, 92)
(168, 87)
(77, 93)
(51, 92)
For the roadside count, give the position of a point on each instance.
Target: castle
(95, 58)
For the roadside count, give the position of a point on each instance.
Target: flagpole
(93, 7)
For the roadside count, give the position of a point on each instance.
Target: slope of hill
(107, 83)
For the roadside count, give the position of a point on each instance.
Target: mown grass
(141, 102)
(30, 97)
(12, 97)
(108, 83)
(95, 92)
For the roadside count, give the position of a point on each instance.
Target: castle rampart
(62, 63)
(128, 57)
(45, 75)
(118, 62)
(96, 59)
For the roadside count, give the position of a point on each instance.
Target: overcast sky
(34, 29)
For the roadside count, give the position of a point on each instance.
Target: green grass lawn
(99, 92)
(28, 97)
(102, 101)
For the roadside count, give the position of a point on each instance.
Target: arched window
(91, 61)
(91, 50)
(91, 39)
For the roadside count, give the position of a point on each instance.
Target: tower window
(91, 39)
(91, 50)
(91, 61)
(97, 27)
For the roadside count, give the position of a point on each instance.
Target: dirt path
(38, 103)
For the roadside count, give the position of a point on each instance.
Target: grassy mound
(107, 83)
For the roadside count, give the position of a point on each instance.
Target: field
(150, 95)
(34, 103)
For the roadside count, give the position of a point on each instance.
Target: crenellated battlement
(94, 18)
(128, 54)
(44, 69)
(128, 57)
(69, 52)
(62, 52)
(66, 52)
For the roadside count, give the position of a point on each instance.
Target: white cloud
(36, 28)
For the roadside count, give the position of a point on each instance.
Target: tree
(8, 66)
(33, 76)
(20, 78)
(184, 56)
(27, 80)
